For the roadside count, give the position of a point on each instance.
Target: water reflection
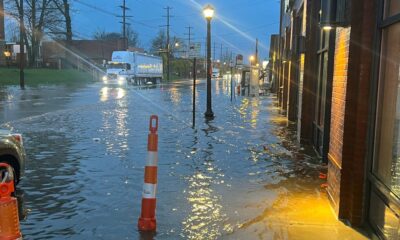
(22, 210)
(217, 87)
(115, 130)
(107, 93)
(206, 213)
(212, 180)
(255, 110)
(175, 96)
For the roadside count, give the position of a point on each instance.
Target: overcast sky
(237, 23)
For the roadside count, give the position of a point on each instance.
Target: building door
(384, 174)
(323, 93)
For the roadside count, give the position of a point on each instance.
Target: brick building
(339, 75)
(273, 66)
(60, 54)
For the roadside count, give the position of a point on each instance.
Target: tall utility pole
(256, 55)
(124, 23)
(21, 45)
(231, 65)
(214, 52)
(168, 42)
(220, 53)
(189, 34)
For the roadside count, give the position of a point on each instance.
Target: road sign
(239, 60)
(194, 50)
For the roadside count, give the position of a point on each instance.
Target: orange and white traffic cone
(9, 220)
(147, 220)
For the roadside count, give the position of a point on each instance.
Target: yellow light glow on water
(206, 211)
(297, 213)
(175, 96)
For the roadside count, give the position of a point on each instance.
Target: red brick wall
(339, 93)
(350, 105)
(337, 114)
(95, 50)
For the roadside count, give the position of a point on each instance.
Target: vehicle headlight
(121, 79)
(104, 78)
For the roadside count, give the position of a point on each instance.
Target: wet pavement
(239, 176)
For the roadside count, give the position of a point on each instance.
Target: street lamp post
(208, 12)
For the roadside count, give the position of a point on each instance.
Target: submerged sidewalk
(239, 176)
(301, 209)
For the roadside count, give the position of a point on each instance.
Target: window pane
(323, 88)
(383, 218)
(387, 157)
(392, 7)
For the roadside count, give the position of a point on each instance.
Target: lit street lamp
(251, 58)
(208, 12)
(7, 54)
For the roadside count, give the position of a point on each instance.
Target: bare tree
(39, 15)
(133, 37)
(63, 7)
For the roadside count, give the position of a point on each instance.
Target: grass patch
(41, 76)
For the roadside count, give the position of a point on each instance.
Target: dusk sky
(237, 23)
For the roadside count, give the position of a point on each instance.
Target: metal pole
(194, 92)
(168, 47)
(231, 82)
(124, 22)
(209, 113)
(235, 86)
(21, 46)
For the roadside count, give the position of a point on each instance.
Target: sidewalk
(301, 209)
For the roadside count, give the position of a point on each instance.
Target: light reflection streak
(115, 120)
(223, 20)
(176, 96)
(206, 211)
(255, 111)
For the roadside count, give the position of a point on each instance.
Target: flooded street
(239, 176)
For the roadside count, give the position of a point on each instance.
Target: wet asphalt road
(87, 150)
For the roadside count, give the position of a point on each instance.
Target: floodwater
(239, 176)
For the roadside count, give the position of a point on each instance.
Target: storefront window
(387, 155)
(392, 7)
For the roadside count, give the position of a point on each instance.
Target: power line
(189, 34)
(124, 23)
(168, 40)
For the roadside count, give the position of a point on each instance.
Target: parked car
(12, 152)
